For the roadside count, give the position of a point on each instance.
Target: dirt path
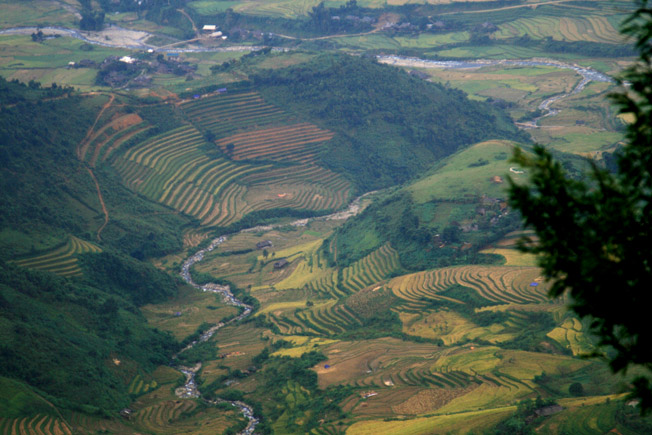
(104, 210)
(192, 23)
(83, 145)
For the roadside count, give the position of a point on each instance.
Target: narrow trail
(192, 23)
(104, 210)
(83, 145)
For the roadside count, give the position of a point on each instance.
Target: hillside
(71, 283)
(443, 218)
(238, 158)
(390, 125)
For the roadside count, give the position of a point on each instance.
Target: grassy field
(35, 12)
(47, 61)
(484, 167)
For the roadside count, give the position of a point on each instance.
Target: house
(264, 244)
(209, 28)
(280, 264)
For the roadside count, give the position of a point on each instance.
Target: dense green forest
(46, 193)
(60, 334)
(391, 125)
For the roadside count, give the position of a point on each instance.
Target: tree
(594, 238)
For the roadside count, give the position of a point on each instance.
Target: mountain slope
(391, 125)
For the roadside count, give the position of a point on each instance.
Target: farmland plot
(61, 261)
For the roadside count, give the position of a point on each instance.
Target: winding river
(189, 389)
(588, 75)
(137, 42)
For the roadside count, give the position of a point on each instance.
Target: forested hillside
(391, 125)
(69, 297)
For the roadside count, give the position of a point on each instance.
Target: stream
(189, 389)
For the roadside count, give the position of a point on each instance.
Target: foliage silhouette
(594, 234)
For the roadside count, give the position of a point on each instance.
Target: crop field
(464, 422)
(298, 143)
(501, 284)
(190, 309)
(313, 273)
(173, 170)
(179, 416)
(305, 186)
(592, 28)
(428, 378)
(232, 113)
(238, 344)
(177, 169)
(587, 416)
(44, 13)
(47, 62)
(324, 319)
(513, 257)
(34, 425)
(276, 8)
(212, 7)
(570, 334)
(453, 328)
(62, 260)
(114, 130)
(140, 386)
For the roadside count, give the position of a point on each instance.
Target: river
(117, 37)
(189, 389)
(588, 75)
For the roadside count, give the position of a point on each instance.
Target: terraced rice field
(323, 319)
(87, 424)
(369, 270)
(105, 140)
(229, 114)
(61, 261)
(298, 143)
(159, 418)
(399, 369)
(570, 334)
(591, 28)
(172, 169)
(502, 284)
(305, 186)
(34, 425)
(140, 386)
